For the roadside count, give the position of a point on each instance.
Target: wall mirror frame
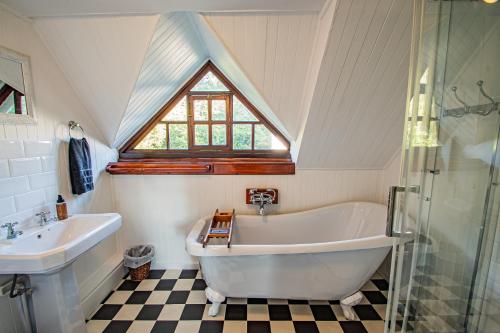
(13, 59)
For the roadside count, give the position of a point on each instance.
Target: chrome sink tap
(11, 233)
(262, 198)
(44, 218)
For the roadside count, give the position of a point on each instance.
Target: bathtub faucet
(262, 198)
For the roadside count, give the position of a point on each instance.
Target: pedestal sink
(46, 254)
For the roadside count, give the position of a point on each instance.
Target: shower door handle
(393, 191)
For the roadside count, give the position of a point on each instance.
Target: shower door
(445, 211)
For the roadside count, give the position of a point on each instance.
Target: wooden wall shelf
(200, 166)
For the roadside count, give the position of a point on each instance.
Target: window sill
(203, 166)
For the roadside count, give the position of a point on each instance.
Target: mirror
(15, 88)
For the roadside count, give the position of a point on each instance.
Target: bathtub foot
(347, 303)
(216, 299)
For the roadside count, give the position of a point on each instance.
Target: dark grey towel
(80, 166)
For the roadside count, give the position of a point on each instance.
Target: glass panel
(445, 277)
(242, 136)
(209, 83)
(219, 109)
(264, 139)
(156, 139)
(241, 112)
(179, 112)
(201, 135)
(200, 109)
(178, 136)
(218, 135)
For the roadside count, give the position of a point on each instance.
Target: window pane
(219, 109)
(242, 136)
(201, 135)
(178, 136)
(200, 109)
(179, 112)
(218, 135)
(241, 112)
(8, 105)
(156, 139)
(209, 83)
(264, 139)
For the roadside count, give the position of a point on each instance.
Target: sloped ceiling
(333, 82)
(101, 58)
(225, 61)
(182, 43)
(175, 53)
(356, 115)
(274, 51)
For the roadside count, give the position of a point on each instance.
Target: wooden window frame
(204, 159)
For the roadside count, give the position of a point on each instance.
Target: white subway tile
(23, 217)
(50, 208)
(25, 166)
(51, 194)
(48, 163)
(41, 180)
(4, 169)
(37, 148)
(7, 206)
(30, 199)
(11, 186)
(11, 149)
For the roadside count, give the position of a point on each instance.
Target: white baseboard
(100, 283)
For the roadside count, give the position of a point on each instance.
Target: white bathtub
(321, 254)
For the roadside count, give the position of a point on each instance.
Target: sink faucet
(11, 233)
(44, 219)
(262, 198)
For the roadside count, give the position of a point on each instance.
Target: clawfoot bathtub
(321, 254)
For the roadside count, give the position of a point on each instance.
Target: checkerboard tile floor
(174, 301)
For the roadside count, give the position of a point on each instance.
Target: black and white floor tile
(174, 301)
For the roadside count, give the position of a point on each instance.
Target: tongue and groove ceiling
(274, 51)
(333, 81)
(357, 110)
(99, 63)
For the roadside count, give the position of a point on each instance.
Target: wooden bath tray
(220, 227)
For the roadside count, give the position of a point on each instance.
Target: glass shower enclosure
(444, 215)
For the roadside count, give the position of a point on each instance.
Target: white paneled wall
(273, 50)
(390, 176)
(162, 209)
(33, 158)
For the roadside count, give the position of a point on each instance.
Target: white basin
(45, 249)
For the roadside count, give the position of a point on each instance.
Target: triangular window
(209, 117)
(209, 82)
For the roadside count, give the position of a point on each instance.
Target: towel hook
(466, 107)
(494, 105)
(72, 125)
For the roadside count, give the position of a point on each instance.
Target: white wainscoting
(160, 210)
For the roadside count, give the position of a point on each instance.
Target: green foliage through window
(211, 117)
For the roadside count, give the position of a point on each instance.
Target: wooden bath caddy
(220, 227)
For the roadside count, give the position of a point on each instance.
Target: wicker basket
(141, 272)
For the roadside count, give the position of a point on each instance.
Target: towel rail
(72, 125)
